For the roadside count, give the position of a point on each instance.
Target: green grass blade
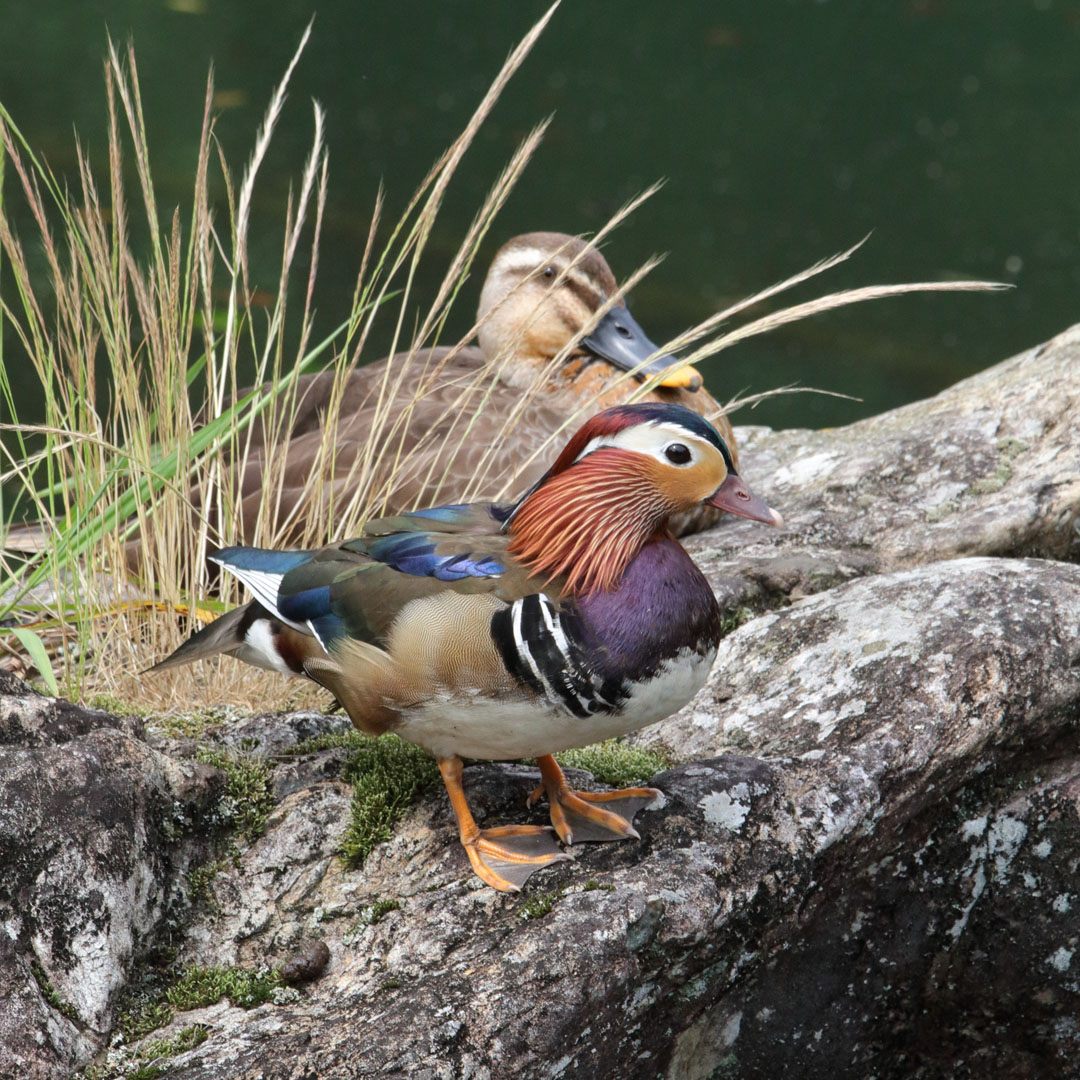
(35, 649)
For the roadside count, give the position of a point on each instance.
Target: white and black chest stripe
(544, 654)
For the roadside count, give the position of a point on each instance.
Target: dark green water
(786, 131)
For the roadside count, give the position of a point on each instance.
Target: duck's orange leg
(503, 857)
(589, 815)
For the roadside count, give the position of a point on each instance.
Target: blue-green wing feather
(357, 588)
(418, 553)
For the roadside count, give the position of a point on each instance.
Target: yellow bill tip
(683, 378)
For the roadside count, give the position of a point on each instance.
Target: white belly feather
(479, 727)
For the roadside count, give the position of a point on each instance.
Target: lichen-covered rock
(946, 949)
(864, 862)
(942, 661)
(29, 719)
(884, 889)
(91, 820)
(927, 728)
(990, 466)
(263, 903)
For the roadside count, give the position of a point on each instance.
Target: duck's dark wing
(455, 441)
(358, 588)
(307, 602)
(459, 433)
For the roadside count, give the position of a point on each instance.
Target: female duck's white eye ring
(677, 453)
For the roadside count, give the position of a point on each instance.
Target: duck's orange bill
(736, 498)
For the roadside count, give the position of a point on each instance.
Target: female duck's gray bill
(736, 498)
(620, 340)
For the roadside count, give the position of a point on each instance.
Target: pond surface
(787, 131)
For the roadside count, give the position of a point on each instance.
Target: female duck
(492, 631)
(440, 413)
(541, 291)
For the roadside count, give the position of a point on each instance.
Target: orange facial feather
(589, 521)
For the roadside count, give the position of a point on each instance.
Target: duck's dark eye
(677, 454)
(549, 272)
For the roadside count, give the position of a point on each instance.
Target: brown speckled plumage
(522, 329)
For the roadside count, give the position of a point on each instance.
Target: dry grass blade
(743, 401)
(243, 208)
(707, 326)
(831, 301)
(99, 475)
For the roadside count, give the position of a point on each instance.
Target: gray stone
(92, 829)
(883, 888)
(990, 466)
(863, 864)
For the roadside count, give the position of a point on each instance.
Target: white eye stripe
(532, 260)
(652, 439)
(522, 262)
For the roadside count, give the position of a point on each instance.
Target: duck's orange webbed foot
(589, 815)
(506, 856)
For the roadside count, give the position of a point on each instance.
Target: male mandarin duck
(510, 631)
(541, 290)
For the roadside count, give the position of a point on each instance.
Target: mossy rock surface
(862, 864)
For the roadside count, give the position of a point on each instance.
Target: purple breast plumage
(663, 606)
(588, 654)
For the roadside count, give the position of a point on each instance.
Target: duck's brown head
(542, 289)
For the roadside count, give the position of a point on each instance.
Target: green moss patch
(198, 987)
(375, 913)
(941, 511)
(166, 993)
(540, 904)
(142, 1017)
(592, 885)
(147, 1072)
(733, 618)
(150, 1060)
(192, 725)
(185, 1039)
(110, 703)
(615, 763)
(200, 879)
(49, 993)
(330, 741)
(537, 906)
(387, 774)
(248, 796)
